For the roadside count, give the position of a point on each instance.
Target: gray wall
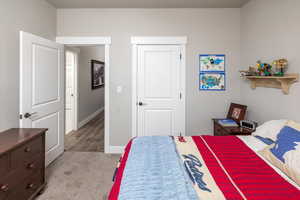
(89, 100)
(34, 16)
(270, 30)
(208, 31)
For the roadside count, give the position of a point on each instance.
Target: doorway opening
(85, 98)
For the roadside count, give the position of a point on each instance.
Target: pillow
(285, 152)
(270, 129)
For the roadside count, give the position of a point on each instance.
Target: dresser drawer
(27, 188)
(27, 152)
(4, 164)
(29, 167)
(219, 130)
(9, 182)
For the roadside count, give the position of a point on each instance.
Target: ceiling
(148, 3)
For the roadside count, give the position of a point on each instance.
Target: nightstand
(220, 130)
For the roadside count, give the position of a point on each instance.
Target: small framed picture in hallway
(97, 74)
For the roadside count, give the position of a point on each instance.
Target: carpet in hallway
(80, 176)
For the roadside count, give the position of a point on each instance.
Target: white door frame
(89, 41)
(135, 41)
(76, 51)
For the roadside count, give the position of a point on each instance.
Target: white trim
(116, 149)
(182, 41)
(73, 41)
(86, 41)
(159, 40)
(183, 85)
(90, 117)
(106, 98)
(134, 91)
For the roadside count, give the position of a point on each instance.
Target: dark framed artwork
(237, 112)
(97, 68)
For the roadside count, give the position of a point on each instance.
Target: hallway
(89, 138)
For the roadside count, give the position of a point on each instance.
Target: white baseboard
(89, 118)
(115, 149)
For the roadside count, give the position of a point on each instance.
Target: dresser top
(15, 137)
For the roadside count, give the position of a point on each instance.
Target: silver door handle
(28, 115)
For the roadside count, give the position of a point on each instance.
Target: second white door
(160, 90)
(70, 82)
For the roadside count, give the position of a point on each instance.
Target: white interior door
(42, 90)
(159, 96)
(69, 110)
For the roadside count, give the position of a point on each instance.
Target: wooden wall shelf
(283, 82)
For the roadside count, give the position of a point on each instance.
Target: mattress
(200, 167)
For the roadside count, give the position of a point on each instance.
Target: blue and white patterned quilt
(156, 175)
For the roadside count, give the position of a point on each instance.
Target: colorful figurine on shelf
(264, 69)
(280, 65)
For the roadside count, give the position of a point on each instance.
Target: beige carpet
(80, 176)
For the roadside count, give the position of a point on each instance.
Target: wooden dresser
(220, 130)
(22, 163)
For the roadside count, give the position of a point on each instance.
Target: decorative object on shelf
(264, 69)
(97, 74)
(212, 63)
(212, 72)
(212, 81)
(263, 76)
(280, 65)
(281, 82)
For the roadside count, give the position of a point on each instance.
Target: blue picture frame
(215, 81)
(218, 63)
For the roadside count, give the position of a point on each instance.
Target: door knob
(141, 104)
(28, 115)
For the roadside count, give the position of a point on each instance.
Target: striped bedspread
(208, 167)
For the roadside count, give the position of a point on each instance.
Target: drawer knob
(27, 149)
(4, 188)
(30, 186)
(30, 166)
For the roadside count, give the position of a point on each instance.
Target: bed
(202, 167)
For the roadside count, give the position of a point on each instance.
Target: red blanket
(240, 173)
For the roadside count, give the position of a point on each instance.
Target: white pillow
(270, 129)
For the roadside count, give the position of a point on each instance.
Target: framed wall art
(212, 81)
(97, 68)
(212, 63)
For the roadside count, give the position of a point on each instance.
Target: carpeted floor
(80, 176)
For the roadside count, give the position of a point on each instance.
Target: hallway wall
(89, 101)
